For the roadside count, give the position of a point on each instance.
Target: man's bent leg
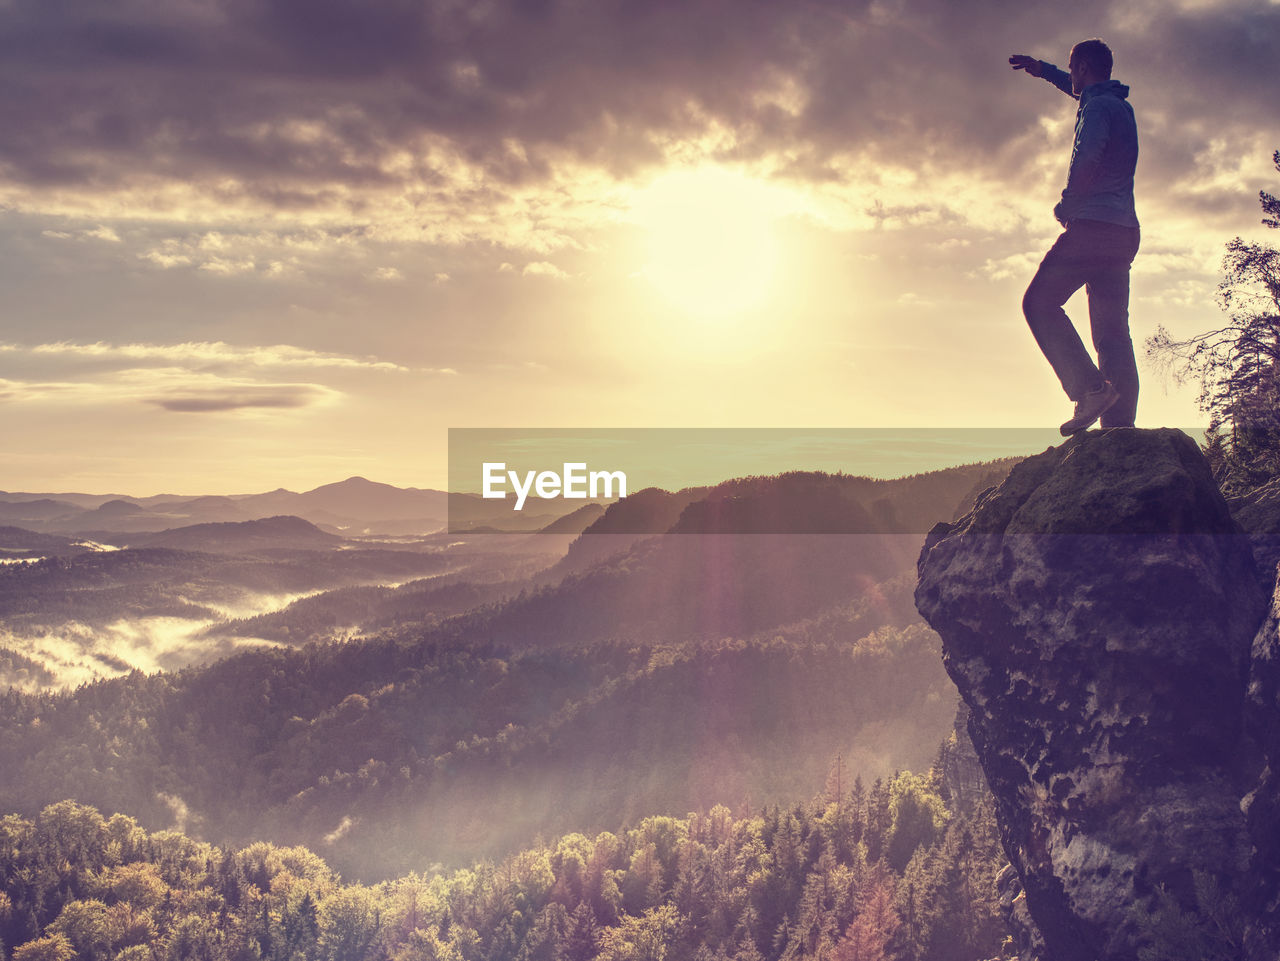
(1060, 275)
(1109, 318)
(1108, 289)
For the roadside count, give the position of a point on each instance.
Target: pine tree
(1238, 365)
(878, 820)
(857, 809)
(582, 941)
(868, 937)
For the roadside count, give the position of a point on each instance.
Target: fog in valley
(414, 697)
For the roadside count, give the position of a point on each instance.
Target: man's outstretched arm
(1046, 71)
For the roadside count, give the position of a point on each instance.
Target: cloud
(221, 399)
(184, 378)
(97, 233)
(194, 377)
(514, 122)
(164, 260)
(1020, 265)
(207, 353)
(542, 268)
(220, 265)
(170, 388)
(263, 253)
(24, 390)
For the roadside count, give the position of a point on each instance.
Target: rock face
(1258, 512)
(962, 774)
(1263, 803)
(1097, 611)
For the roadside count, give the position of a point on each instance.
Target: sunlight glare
(711, 247)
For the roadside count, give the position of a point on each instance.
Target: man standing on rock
(1097, 246)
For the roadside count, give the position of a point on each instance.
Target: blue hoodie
(1105, 153)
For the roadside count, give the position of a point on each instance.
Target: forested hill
(897, 868)
(390, 756)
(746, 556)
(686, 671)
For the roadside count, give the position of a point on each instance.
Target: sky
(247, 244)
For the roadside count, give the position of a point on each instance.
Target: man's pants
(1096, 256)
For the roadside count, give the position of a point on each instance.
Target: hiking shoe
(1090, 407)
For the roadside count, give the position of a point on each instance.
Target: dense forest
(904, 869)
(446, 753)
(494, 699)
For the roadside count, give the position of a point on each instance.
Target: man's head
(1090, 63)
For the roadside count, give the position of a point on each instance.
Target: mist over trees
(493, 700)
(442, 753)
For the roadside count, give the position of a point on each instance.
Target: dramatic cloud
(396, 191)
(444, 119)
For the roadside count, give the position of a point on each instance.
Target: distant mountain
(270, 533)
(81, 501)
(268, 500)
(119, 508)
(648, 511)
(354, 507)
(626, 522)
(208, 509)
(575, 522)
(356, 499)
(118, 515)
(39, 510)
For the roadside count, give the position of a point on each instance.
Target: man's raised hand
(1020, 61)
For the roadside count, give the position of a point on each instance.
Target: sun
(711, 246)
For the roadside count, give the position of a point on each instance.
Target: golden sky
(258, 243)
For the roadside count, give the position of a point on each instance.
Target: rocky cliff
(1263, 803)
(1097, 612)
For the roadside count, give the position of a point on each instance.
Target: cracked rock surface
(1097, 611)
